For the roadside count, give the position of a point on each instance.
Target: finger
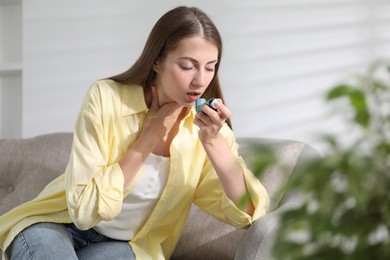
(202, 118)
(223, 111)
(209, 117)
(198, 122)
(214, 116)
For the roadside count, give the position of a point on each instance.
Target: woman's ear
(156, 66)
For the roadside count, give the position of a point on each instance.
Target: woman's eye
(210, 69)
(185, 67)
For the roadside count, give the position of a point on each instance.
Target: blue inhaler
(210, 103)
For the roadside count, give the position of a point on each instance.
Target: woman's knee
(42, 241)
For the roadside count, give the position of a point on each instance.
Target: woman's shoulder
(106, 86)
(108, 94)
(109, 87)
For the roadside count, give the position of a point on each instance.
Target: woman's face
(186, 71)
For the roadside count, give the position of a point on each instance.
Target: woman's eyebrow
(195, 61)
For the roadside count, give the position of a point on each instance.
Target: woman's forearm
(228, 170)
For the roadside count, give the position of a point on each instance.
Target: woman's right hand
(160, 119)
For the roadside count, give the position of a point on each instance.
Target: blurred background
(280, 57)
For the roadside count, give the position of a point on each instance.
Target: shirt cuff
(110, 183)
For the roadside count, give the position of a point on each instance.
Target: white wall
(279, 57)
(10, 68)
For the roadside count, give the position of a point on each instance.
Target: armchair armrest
(257, 241)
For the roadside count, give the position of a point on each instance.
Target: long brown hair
(175, 25)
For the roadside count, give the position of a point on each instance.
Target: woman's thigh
(42, 241)
(107, 250)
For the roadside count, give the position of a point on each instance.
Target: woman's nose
(198, 79)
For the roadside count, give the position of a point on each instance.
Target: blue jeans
(44, 241)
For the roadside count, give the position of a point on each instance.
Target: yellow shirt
(91, 189)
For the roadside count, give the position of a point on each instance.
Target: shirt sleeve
(211, 197)
(94, 187)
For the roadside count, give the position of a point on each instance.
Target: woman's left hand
(210, 121)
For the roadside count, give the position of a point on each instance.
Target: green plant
(345, 209)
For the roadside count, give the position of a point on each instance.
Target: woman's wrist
(212, 142)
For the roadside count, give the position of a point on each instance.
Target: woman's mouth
(193, 95)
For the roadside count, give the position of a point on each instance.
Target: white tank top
(140, 202)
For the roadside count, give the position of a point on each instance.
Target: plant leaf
(338, 91)
(359, 104)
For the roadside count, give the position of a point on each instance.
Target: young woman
(141, 156)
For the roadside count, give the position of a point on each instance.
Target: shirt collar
(133, 100)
